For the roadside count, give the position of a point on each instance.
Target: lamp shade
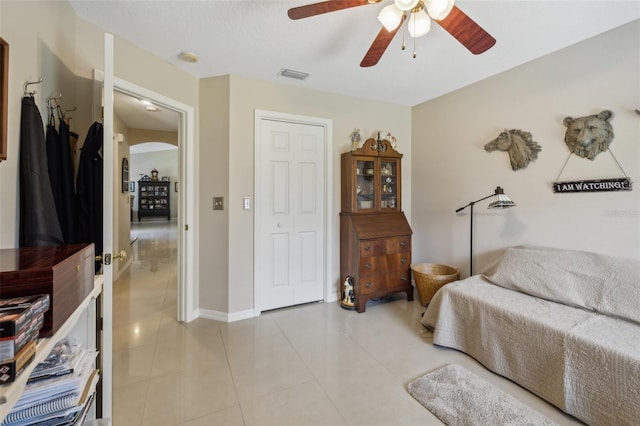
(439, 9)
(390, 17)
(406, 4)
(419, 24)
(500, 200)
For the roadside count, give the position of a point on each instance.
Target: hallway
(314, 364)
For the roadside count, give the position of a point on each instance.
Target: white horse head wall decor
(518, 144)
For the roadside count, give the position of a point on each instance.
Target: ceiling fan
(419, 12)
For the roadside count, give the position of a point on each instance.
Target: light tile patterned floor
(314, 364)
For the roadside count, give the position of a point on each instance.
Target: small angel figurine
(355, 139)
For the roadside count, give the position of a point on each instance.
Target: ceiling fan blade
(467, 32)
(323, 7)
(379, 45)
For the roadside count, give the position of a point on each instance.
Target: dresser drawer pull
(403, 278)
(368, 285)
(403, 260)
(368, 266)
(367, 248)
(403, 243)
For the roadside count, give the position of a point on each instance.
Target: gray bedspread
(585, 363)
(605, 284)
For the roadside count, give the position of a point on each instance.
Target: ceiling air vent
(298, 75)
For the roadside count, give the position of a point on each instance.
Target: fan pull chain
(414, 39)
(404, 46)
(414, 48)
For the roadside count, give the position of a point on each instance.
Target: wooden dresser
(375, 237)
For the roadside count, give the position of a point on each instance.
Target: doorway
(184, 193)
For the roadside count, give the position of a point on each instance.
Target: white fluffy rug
(458, 397)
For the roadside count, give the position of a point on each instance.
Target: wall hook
(28, 83)
(53, 98)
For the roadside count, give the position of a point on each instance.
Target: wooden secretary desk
(375, 237)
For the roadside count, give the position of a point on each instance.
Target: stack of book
(21, 319)
(60, 389)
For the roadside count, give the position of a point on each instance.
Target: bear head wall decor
(589, 136)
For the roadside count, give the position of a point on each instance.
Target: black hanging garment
(89, 190)
(68, 192)
(53, 164)
(39, 224)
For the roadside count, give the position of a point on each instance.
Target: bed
(563, 324)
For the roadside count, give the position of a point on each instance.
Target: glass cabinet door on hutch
(371, 179)
(389, 187)
(365, 184)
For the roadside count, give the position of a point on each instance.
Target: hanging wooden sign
(600, 185)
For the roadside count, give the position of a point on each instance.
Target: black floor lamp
(501, 201)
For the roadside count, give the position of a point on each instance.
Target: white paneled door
(290, 197)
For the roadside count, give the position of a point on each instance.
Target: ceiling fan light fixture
(439, 9)
(419, 24)
(390, 17)
(405, 5)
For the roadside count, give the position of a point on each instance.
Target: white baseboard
(224, 316)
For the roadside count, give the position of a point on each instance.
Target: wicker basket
(429, 277)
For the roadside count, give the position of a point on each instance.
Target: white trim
(107, 236)
(188, 204)
(224, 316)
(328, 206)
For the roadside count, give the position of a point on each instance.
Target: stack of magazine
(60, 389)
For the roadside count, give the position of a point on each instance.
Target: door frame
(187, 208)
(260, 115)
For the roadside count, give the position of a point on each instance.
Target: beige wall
(444, 166)
(47, 49)
(451, 168)
(214, 182)
(65, 50)
(227, 109)
(346, 114)
(137, 136)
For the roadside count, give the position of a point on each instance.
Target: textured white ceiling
(134, 115)
(256, 39)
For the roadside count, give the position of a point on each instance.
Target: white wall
(451, 168)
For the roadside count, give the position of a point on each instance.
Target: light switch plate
(218, 203)
(246, 203)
